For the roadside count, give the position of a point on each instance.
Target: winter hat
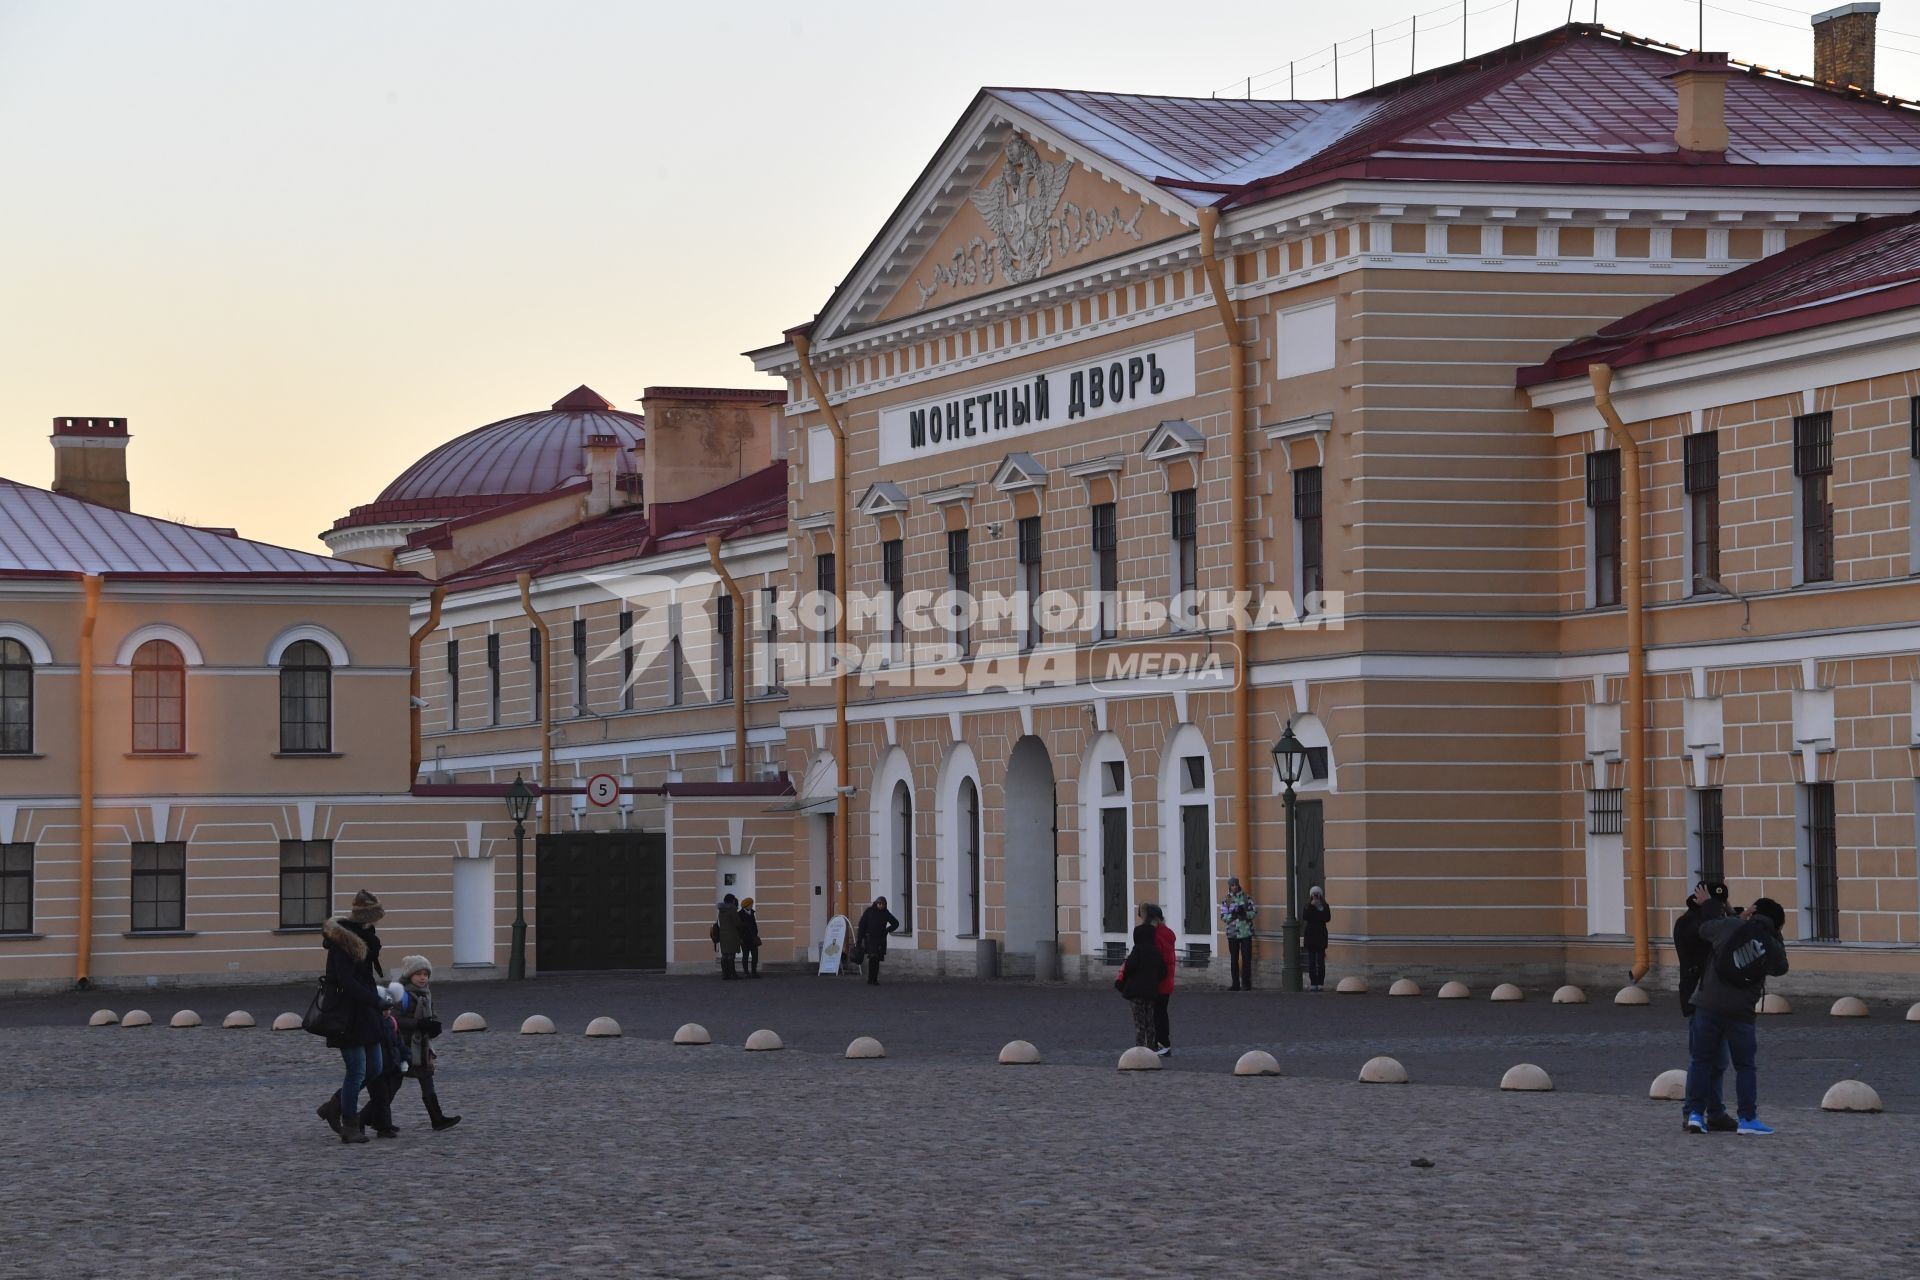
(366, 908)
(1717, 890)
(1233, 882)
(410, 965)
(1771, 910)
(1314, 892)
(746, 904)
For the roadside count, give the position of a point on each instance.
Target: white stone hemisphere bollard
(692, 1033)
(237, 1019)
(1256, 1062)
(1851, 1095)
(185, 1018)
(1632, 993)
(1913, 1013)
(137, 1018)
(1571, 995)
(108, 1018)
(866, 1047)
(1139, 1058)
(1669, 1086)
(1456, 991)
(1848, 1007)
(538, 1025)
(1404, 987)
(287, 1022)
(763, 1041)
(603, 1029)
(1352, 985)
(1507, 992)
(1383, 1070)
(1019, 1053)
(469, 1022)
(1772, 1004)
(1526, 1078)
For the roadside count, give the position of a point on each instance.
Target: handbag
(327, 1013)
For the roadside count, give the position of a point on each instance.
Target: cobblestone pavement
(158, 1152)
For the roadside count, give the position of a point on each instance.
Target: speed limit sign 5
(602, 790)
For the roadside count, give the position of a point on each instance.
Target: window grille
(1604, 812)
(1813, 444)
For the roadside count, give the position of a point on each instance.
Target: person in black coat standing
(1314, 919)
(1707, 903)
(749, 939)
(1139, 981)
(353, 969)
(876, 922)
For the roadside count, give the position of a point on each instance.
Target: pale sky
(300, 244)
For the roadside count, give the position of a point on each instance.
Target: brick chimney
(1843, 44)
(603, 458)
(1701, 81)
(90, 460)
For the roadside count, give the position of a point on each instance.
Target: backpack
(1741, 961)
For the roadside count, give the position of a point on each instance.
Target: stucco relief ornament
(1019, 209)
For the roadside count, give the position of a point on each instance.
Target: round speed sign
(602, 790)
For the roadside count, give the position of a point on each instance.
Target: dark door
(601, 901)
(1113, 870)
(1311, 865)
(1196, 867)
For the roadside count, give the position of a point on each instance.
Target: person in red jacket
(1150, 913)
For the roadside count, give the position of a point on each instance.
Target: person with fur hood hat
(353, 960)
(413, 1009)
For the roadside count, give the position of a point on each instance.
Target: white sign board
(602, 790)
(834, 946)
(1156, 374)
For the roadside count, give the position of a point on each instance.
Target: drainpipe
(83, 950)
(413, 681)
(1633, 571)
(740, 664)
(838, 889)
(1237, 522)
(546, 704)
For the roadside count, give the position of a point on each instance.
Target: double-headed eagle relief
(1030, 223)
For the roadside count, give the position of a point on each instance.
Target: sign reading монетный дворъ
(1159, 373)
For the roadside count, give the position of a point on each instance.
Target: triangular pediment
(1174, 438)
(1019, 471)
(883, 497)
(1003, 205)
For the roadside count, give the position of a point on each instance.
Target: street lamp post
(1290, 758)
(519, 806)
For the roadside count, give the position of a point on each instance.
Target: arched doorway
(1032, 877)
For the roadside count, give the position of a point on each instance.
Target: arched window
(970, 852)
(16, 699)
(159, 698)
(903, 854)
(306, 699)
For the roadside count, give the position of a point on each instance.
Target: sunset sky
(298, 245)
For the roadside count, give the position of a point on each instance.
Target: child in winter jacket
(413, 1009)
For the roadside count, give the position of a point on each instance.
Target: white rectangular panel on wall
(1305, 340)
(473, 926)
(819, 454)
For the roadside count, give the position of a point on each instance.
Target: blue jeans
(1711, 1036)
(364, 1063)
(1716, 1102)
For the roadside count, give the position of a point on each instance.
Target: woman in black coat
(876, 922)
(1139, 981)
(353, 961)
(1314, 918)
(749, 939)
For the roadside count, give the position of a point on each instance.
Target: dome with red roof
(502, 462)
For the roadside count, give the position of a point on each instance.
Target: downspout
(83, 950)
(546, 704)
(420, 634)
(1635, 718)
(740, 664)
(1236, 522)
(837, 890)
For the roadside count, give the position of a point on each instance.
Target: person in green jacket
(1236, 921)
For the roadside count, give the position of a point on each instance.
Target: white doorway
(733, 874)
(819, 846)
(473, 924)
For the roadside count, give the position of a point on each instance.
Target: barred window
(453, 683)
(580, 663)
(1604, 812)
(493, 677)
(1030, 580)
(1603, 498)
(1307, 529)
(1106, 566)
(1813, 444)
(1702, 482)
(626, 662)
(1813, 464)
(306, 700)
(1913, 426)
(306, 883)
(16, 888)
(893, 573)
(725, 627)
(159, 886)
(1709, 833)
(16, 699)
(824, 577)
(159, 698)
(960, 582)
(1186, 544)
(1823, 864)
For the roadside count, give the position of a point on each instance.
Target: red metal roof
(1577, 96)
(751, 505)
(50, 533)
(1867, 268)
(533, 453)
